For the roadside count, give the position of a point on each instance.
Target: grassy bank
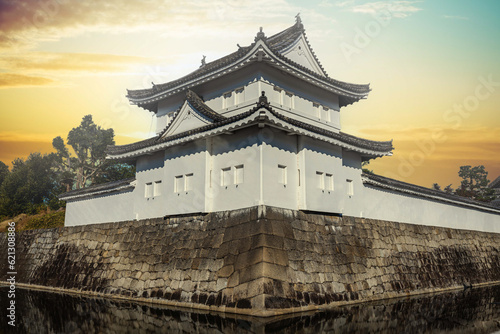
(44, 219)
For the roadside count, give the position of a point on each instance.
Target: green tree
(29, 186)
(4, 171)
(448, 189)
(364, 164)
(89, 142)
(89, 166)
(62, 164)
(114, 172)
(474, 184)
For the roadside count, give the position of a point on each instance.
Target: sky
(433, 67)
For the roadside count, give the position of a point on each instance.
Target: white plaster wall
(149, 169)
(327, 159)
(351, 170)
(324, 114)
(231, 151)
(384, 204)
(187, 162)
(303, 108)
(262, 153)
(280, 169)
(104, 208)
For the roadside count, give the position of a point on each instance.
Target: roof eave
(249, 118)
(250, 57)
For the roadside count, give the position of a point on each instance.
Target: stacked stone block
(260, 260)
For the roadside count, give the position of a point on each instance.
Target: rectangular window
(288, 100)
(279, 94)
(148, 190)
(350, 187)
(178, 183)
(225, 176)
(329, 181)
(238, 174)
(316, 110)
(298, 174)
(325, 114)
(282, 177)
(239, 96)
(227, 100)
(188, 184)
(320, 180)
(157, 188)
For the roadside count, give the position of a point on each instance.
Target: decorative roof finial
(155, 89)
(297, 19)
(260, 35)
(203, 63)
(263, 100)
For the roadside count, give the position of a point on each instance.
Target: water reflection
(469, 311)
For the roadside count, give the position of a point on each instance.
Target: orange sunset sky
(433, 67)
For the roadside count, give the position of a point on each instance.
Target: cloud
(344, 3)
(87, 62)
(325, 4)
(399, 9)
(9, 80)
(456, 17)
(27, 23)
(480, 143)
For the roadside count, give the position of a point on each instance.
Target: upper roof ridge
(279, 45)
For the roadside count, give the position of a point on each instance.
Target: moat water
(475, 310)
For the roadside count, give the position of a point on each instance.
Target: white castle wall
(113, 207)
(389, 205)
(269, 167)
(234, 168)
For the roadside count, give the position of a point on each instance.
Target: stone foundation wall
(261, 261)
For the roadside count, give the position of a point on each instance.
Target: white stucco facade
(261, 127)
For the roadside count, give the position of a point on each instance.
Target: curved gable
(300, 52)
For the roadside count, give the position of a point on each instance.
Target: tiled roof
(393, 184)
(207, 68)
(377, 146)
(276, 43)
(98, 188)
(197, 103)
(495, 183)
(120, 149)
